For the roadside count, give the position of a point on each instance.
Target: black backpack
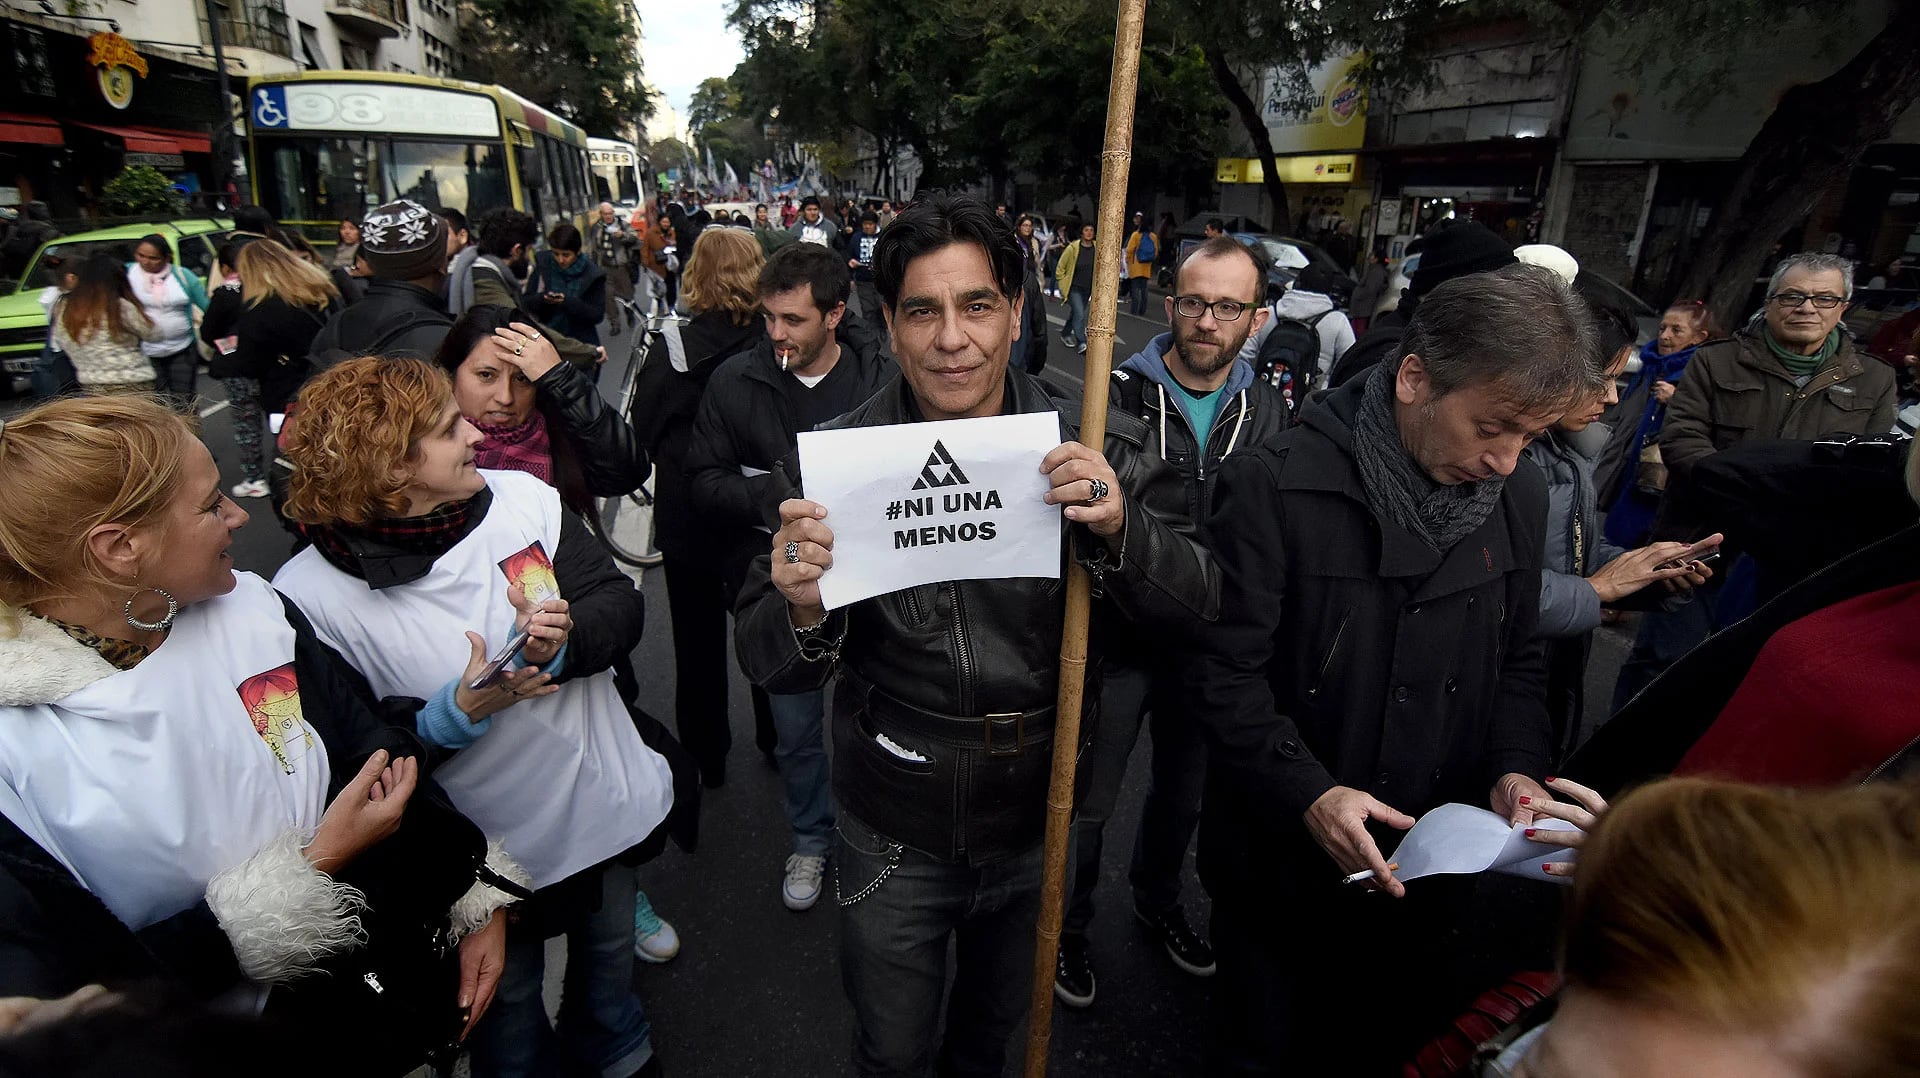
(1291, 349)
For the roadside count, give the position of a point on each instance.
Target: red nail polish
(1529, 832)
(1546, 866)
(1526, 800)
(1552, 778)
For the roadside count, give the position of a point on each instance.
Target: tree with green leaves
(720, 122)
(580, 58)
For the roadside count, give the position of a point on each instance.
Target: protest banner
(916, 503)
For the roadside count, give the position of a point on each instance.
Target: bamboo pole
(1115, 157)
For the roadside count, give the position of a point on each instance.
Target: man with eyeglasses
(1199, 402)
(1793, 374)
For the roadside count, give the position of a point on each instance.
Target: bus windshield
(318, 178)
(616, 183)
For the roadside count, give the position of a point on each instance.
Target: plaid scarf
(525, 448)
(432, 534)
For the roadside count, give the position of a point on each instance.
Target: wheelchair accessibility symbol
(270, 106)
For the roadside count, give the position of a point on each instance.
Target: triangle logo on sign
(940, 471)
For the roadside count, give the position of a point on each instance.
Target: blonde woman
(284, 302)
(722, 289)
(179, 750)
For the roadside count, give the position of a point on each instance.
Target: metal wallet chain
(893, 862)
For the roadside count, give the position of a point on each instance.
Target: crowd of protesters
(1346, 570)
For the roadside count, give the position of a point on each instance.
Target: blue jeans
(801, 751)
(601, 1023)
(1172, 809)
(1137, 295)
(1076, 330)
(893, 954)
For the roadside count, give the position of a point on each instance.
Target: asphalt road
(755, 989)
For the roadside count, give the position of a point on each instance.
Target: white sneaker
(654, 940)
(252, 488)
(801, 889)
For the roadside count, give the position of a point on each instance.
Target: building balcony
(262, 30)
(371, 18)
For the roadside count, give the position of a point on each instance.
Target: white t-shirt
(563, 780)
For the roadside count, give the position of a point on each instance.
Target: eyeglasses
(1224, 310)
(1787, 301)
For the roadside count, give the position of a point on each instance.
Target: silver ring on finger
(534, 336)
(1097, 489)
(793, 552)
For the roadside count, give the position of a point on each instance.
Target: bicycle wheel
(626, 532)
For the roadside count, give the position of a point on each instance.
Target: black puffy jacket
(665, 402)
(964, 673)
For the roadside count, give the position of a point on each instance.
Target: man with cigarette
(944, 708)
(1374, 658)
(814, 363)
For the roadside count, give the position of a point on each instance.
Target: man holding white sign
(943, 715)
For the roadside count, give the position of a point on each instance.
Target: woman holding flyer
(411, 544)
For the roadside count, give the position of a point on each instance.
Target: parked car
(23, 322)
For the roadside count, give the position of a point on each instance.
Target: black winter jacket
(394, 318)
(965, 672)
(746, 420)
(1169, 436)
(275, 338)
(1348, 653)
(665, 402)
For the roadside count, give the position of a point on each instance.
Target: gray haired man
(1375, 658)
(1791, 373)
(612, 245)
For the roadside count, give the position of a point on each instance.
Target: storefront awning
(33, 130)
(155, 139)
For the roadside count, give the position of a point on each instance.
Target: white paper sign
(1458, 838)
(916, 503)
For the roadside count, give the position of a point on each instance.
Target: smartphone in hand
(496, 667)
(1706, 551)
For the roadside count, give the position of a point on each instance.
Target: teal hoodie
(1149, 364)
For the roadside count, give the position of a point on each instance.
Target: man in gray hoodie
(1200, 402)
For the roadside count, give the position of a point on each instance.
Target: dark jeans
(1172, 809)
(1076, 327)
(698, 601)
(800, 720)
(1137, 295)
(893, 954)
(174, 376)
(602, 1026)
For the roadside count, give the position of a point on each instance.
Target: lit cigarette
(1367, 874)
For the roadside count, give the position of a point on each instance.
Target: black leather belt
(1000, 733)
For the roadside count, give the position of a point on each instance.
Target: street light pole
(223, 130)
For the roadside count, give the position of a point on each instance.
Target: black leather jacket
(609, 459)
(964, 673)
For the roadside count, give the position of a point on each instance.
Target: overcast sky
(686, 42)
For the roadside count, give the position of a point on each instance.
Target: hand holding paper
(803, 531)
(1457, 838)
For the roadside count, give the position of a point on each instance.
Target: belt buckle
(1019, 731)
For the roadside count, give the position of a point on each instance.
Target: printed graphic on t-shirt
(533, 571)
(272, 699)
(863, 248)
(816, 234)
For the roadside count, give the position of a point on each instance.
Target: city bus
(332, 145)
(617, 167)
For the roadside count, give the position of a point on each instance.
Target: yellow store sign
(1332, 168)
(1329, 114)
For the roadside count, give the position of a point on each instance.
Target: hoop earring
(161, 626)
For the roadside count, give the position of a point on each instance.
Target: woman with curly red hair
(411, 543)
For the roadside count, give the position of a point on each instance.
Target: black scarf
(1399, 489)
